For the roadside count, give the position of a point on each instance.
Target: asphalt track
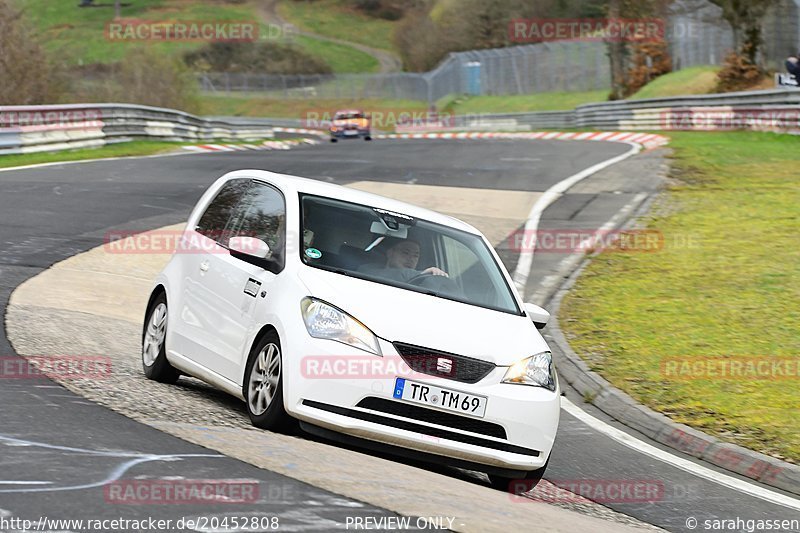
(50, 213)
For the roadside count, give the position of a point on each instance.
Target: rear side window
(219, 211)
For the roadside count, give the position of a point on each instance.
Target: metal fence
(544, 67)
(698, 35)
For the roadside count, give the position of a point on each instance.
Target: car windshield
(395, 249)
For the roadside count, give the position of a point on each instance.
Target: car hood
(400, 315)
(349, 122)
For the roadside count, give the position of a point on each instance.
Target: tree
(26, 75)
(621, 52)
(746, 18)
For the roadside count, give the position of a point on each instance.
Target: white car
(365, 318)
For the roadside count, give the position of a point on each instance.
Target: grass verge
(341, 58)
(692, 80)
(126, 149)
(724, 286)
(134, 148)
(524, 103)
(333, 18)
(383, 111)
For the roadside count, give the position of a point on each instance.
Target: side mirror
(249, 246)
(538, 315)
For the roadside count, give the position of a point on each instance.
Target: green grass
(125, 149)
(135, 148)
(525, 103)
(693, 80)
(341, 58)
(383, 111)
(725, 284)
(77, 35)
(333, 18)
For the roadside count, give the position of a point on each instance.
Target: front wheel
(263, 385)
(154, 346)
(520, 484)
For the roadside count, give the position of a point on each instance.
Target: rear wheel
(263, 385)
(334, 139)
(154, 350)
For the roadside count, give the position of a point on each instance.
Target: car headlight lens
(537, 371)
(324, 321)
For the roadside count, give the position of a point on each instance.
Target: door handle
(204, 266)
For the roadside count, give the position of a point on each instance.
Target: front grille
(443, 364)
(424, 430)
(432, 416)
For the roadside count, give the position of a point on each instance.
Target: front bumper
(355, 404)
(349, 134)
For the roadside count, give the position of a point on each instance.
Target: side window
(459, 257)
(261, 214)
(219, 211)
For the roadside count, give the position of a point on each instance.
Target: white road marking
(549, 281)
(135, 458)
(679, 462)
(525, 262)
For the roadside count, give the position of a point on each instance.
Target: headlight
(323, 321)
(537, 371)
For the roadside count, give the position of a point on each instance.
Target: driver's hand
(435, 271)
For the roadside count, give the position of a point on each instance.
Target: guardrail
(772, 110)
(50, 128)
(25, 129)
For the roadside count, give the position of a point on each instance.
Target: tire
(334, 139)
(368, 138)
(527, 480)
(263, 391)
(154, 350)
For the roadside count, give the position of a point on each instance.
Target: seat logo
(444, 365)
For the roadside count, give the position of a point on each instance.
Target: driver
(402, 256)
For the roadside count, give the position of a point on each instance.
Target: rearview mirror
(250, 246)
(379, 227)
(538, 315)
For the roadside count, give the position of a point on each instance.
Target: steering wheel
(416, 280)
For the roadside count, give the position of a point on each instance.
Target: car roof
(348, 111)
(297, 185)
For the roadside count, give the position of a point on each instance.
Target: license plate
(447, 399)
